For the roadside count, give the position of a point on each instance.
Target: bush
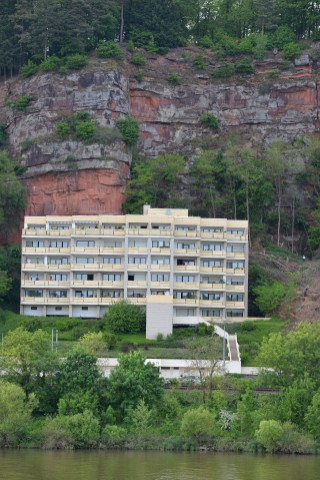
(109, 50)
(281, 37)
(226, 70)
(245, 66)
(85, 130)
(173, 78)
(138, 59)
(209, 120)
(51, 64)
(129, 130)
(199, 61)
(31, 324)
(3, 135)
(62, 129)
(28, 69)
(205, 42)
(197, 424)
(270, 434)
(124, 317)
(113, 435)
(110, 339)
(76, 61)
(21, 103)
(291, 50)
(246, 45)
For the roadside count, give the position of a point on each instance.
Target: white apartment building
(183, 270)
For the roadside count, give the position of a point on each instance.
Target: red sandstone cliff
(68, 177)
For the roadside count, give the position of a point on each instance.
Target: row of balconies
(140, 300)
(40, 267)
(131, 284)
(131, 250)
(121, 232)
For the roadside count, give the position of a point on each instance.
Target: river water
(109, 465)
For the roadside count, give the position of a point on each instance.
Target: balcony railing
(212, 286)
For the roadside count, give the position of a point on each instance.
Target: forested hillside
(32, 29)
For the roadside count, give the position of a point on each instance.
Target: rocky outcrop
(70, 177)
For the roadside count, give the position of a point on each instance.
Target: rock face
(70, 177)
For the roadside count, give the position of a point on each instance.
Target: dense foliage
(67, 403)
(32, 30)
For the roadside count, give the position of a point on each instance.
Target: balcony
(185, 268)
(155, 232)
(86, 250)
(213, 235)
(137, 250)
(212, 286)
(85, 283)
(160, 284)
(85, 266)
(110, 250)
(36, 250)
(45, 283)
(111, 267)
(137, 283)
(211, 269)
(235, 288)
(186, 301)
(161, 250)
(138, 231)
(111, 283)
(58, 300)
(237, 238)
(86, 231)
(214, 319)
(235, 271)
(137, 300)
(31, 232)
(211, 303)
(109, 300)
(58, 251)
(213, 253)
(235, 255)
(235, 304)
(33, 300)
(184, 285)
(85, 300)
(157, 267)
(137, 266)
(112, 232)
(186, 251)
(186, 233)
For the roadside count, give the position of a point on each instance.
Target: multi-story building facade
(181, 269)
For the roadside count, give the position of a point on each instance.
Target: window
(160, 277)
(58, 244)
(58, 309)
(212, 247)
(235, 264)
(183, 262)
(160, 244)
(212, 263)
(85, 293)
(111, 294)
(137, 260)
(57, 277)
(84, 260)
(58, 294)
(232, 231)
(212, 229)
(85, 243)
(234, 313)
(33, 308)
(112, 260)
(235, 248)
(84, 276)
(34, 293)
(183, 295)
(210, 312)
(185, 246)
(111, 277)
(130, 278)
(58, 260)
(235, 297)
(160, 261)
(235, 281)
(185, 278)
(184, 312)
(85, 308)
(211, 296)
(35, 243)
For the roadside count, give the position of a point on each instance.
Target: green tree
(12, 194)
(140, 418)
(15, 414)
(134, 380)
(125, 317)
(197, 424)
(27, 358)
(93, 343)
(312, 416)
(270, 434)
(268, 296)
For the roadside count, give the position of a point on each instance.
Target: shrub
(228, 44)
(226, 70)
(140, 38)
(282, 36)
(139, 76)
(138, 59)
(113, 435)
(124, 317)
(28, 69)
(244, 66)
(209, 120)
(3, 135)
(21, 103)
(197, 424)
(246, 45)
(205, 42)
(85, 130)
(270, 434)
(110, 339)
(62, 129)
(76, 61)
(51, 64)
(130, 46)
(173, 78)
(291, 50)
(109, 50)
(31, 324)
(129, 130)
(93, 343)
(199, 61)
